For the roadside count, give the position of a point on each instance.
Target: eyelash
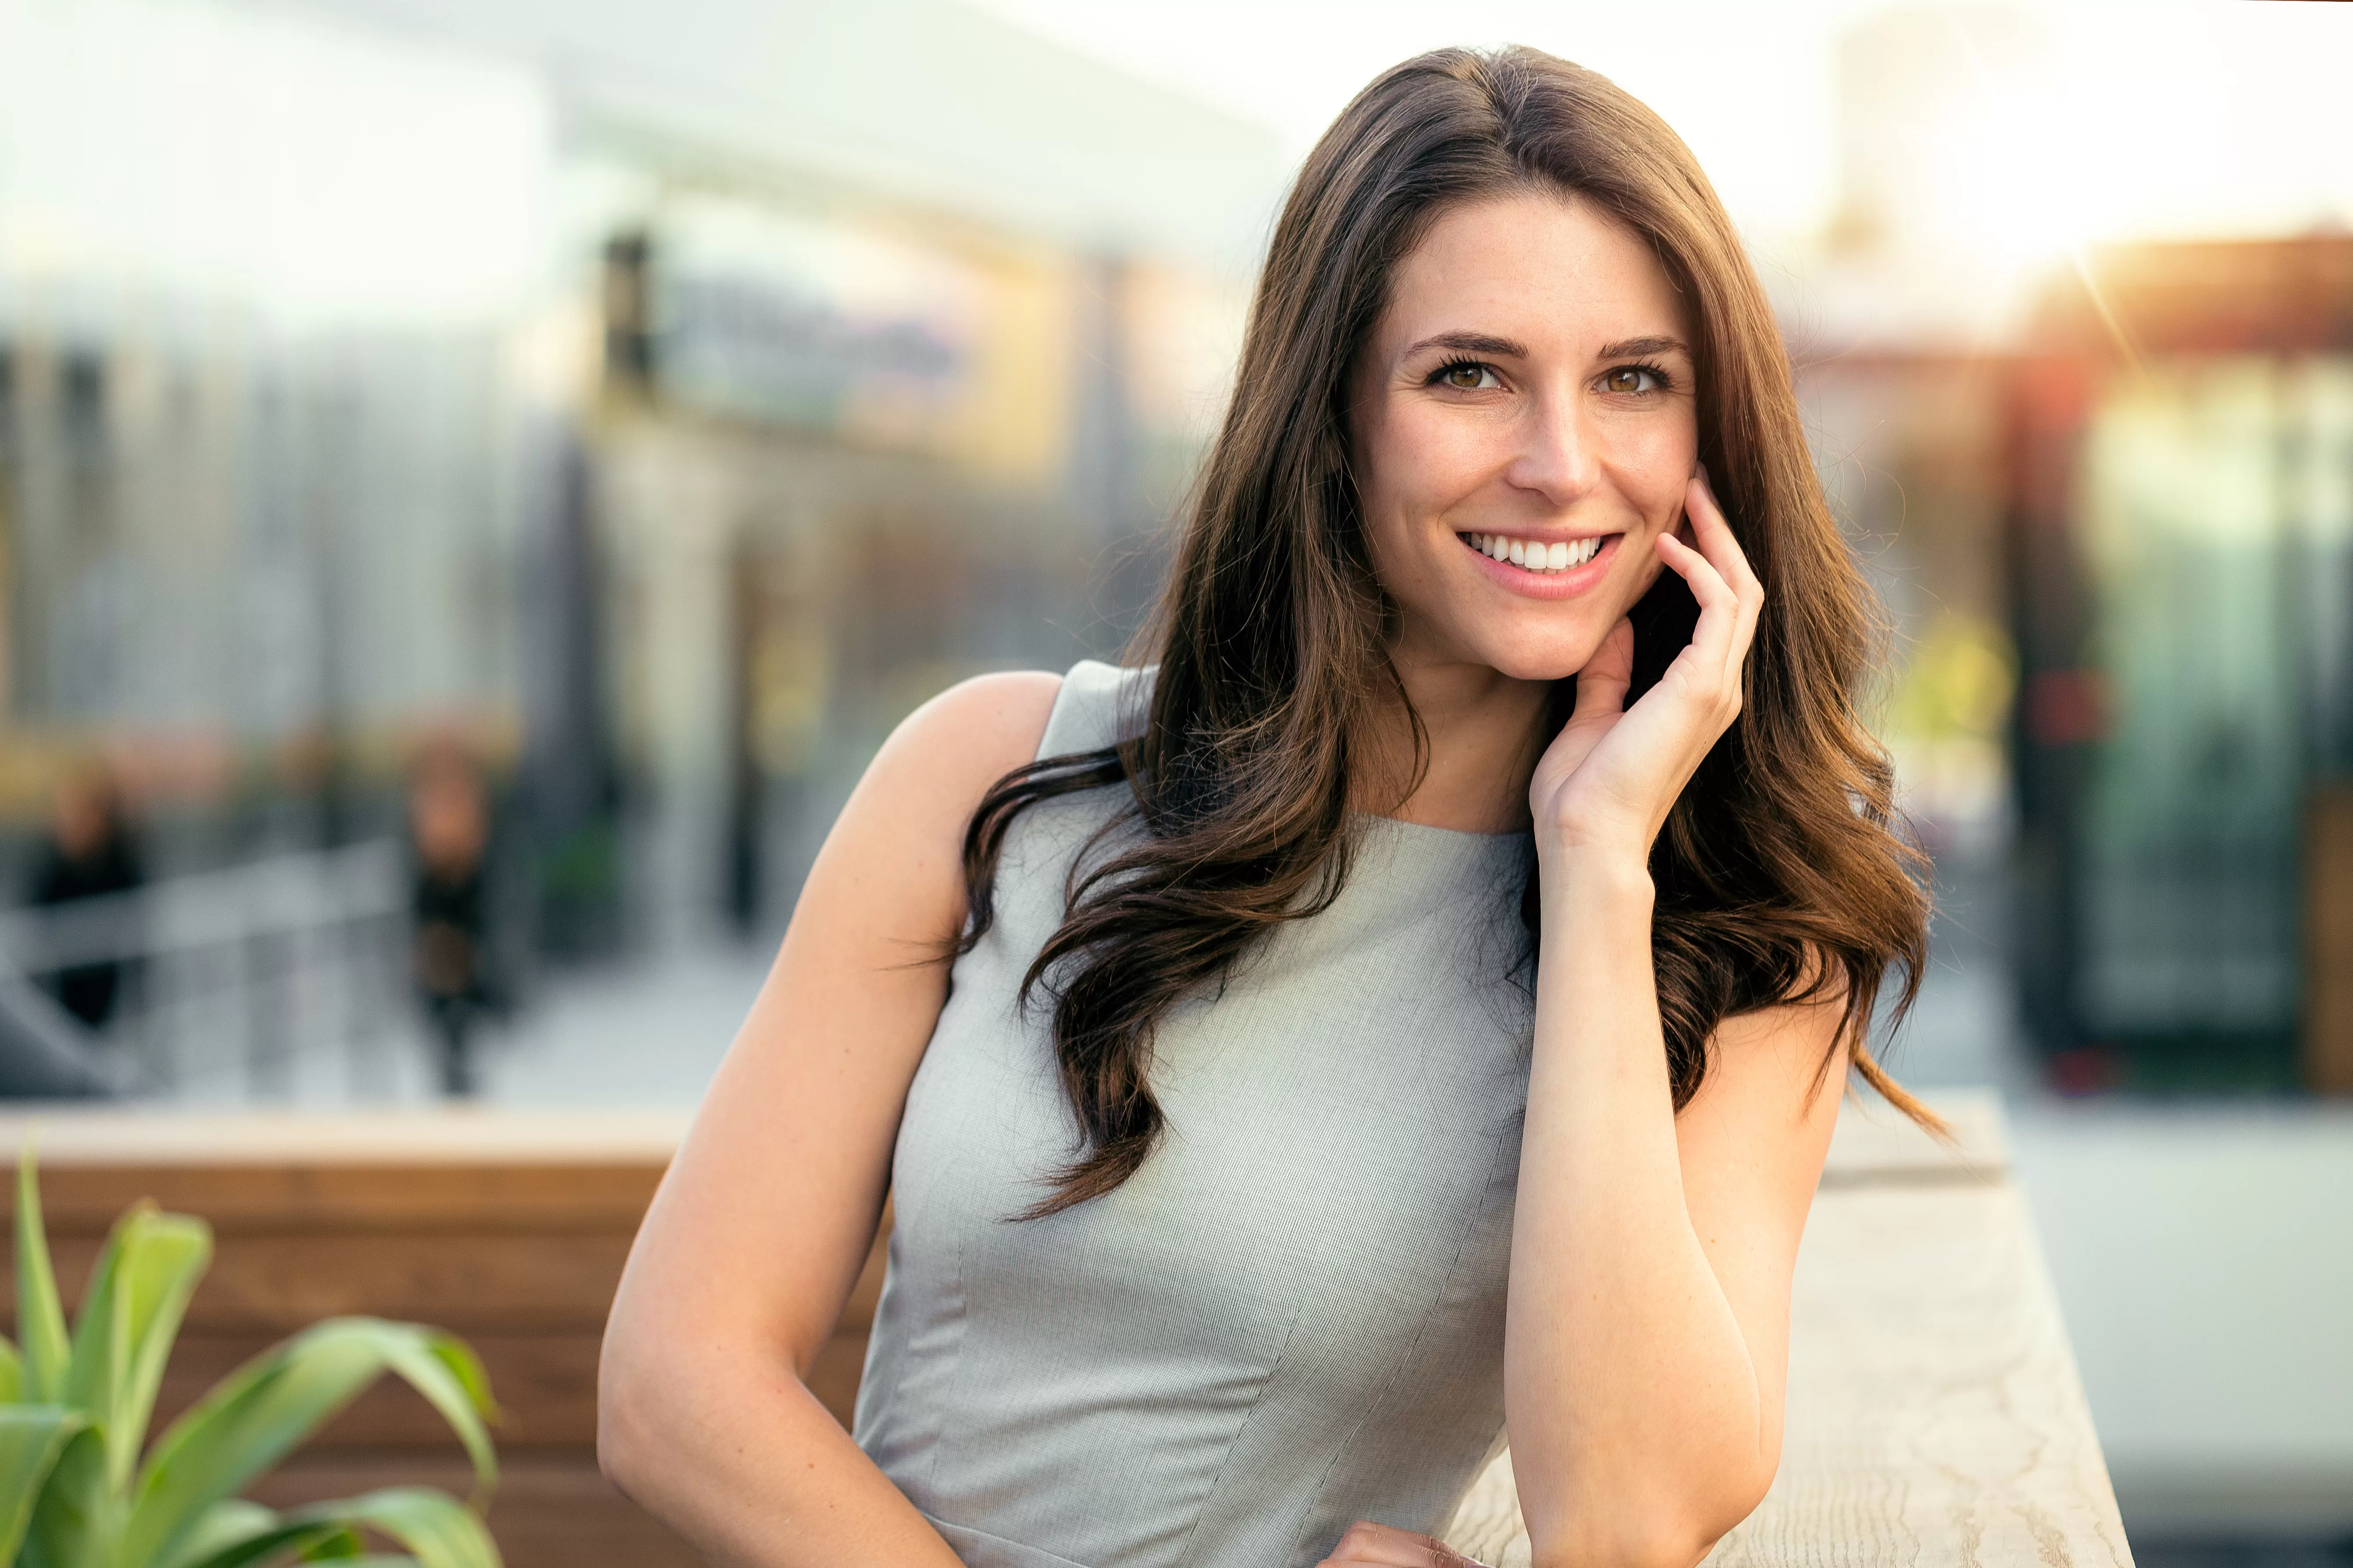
(1451, 366)
(1657, 373)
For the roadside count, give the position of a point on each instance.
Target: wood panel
(508, 1230)
(1936, 1416)
(546, 1387)
(1876, 1145)
(549, 1512)
(277, 1281)
(1936, 1419)
(350, 1172)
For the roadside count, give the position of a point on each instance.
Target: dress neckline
(1400, 824)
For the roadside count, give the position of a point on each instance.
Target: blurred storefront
(2106, 492)
(646, 407)
(838, 465)
(2117, 549)
(2182, 526)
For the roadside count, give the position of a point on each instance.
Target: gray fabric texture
(1292, 1317)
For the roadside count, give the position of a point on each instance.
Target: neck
(1482, 728)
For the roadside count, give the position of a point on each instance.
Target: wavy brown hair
(1778, 876)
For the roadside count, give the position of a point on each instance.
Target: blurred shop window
(2220, 571)
(2181, 542)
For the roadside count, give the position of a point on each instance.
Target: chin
(1552, 657)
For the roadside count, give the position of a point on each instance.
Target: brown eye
(1631, 378)
(1469, 377)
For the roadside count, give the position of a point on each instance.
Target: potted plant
(75, 1489)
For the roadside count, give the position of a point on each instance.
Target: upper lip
(1539, 537)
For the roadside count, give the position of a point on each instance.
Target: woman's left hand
(1370, 1545)
(1609, 778)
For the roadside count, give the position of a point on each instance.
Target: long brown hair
(1778, 876)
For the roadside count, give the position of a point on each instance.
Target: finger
(1601, 684)
(1712, 534)
(1374, 1545)
(1714, 639)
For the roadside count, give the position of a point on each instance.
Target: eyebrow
(1472, 344)
(1631, 347)
(1505, 348)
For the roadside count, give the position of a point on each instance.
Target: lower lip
(1546, 584)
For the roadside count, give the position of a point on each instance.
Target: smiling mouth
(1534, 556)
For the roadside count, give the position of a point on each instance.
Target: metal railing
(257, 981)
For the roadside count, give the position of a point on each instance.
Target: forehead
(1553, 271)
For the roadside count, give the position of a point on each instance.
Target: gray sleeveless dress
(1292, 1317)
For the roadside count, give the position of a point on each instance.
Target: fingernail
(1702, 476)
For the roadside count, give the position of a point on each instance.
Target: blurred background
(478, 478)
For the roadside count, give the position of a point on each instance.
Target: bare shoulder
(1003, 713)
(949, 750)
(894, 863)
(793, 1141)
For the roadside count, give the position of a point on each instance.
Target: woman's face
(1528, 395)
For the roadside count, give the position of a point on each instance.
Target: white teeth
(1534, 556)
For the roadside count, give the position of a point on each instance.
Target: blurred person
(1408, 1009)
(89, 852)
(449, 836)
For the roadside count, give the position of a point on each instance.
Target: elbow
(1629, 1545)
(629, 1414)
(1663, 1536)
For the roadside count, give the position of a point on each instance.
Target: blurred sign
(768, 316)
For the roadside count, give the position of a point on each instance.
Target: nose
(1558, 457)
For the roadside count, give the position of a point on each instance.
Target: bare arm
(1646, 1343)
(1646, 1350)
(1647, 1338)
(1647, 1346)
(759, 1228)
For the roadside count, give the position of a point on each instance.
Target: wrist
(1613, 873)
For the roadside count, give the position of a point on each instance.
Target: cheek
(1417, 462)
(1653, 462)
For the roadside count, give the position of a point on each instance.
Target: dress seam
(1240, 1430)
(1437, 1302)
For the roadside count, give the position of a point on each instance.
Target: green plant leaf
(280, 1542)
(79, 1519)
(31, 1438)
(437, 1531)
(40, 1316)
(222, 1526)
(12, 1375)
(257, 1413)
(138, 1290)
(445, 1371)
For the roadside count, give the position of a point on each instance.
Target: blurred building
(2107, 492)
(2115, 548)
(2182, 533)
(663, 401)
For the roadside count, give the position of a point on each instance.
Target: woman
(1410, 1015)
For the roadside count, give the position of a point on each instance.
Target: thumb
(1601, 684)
